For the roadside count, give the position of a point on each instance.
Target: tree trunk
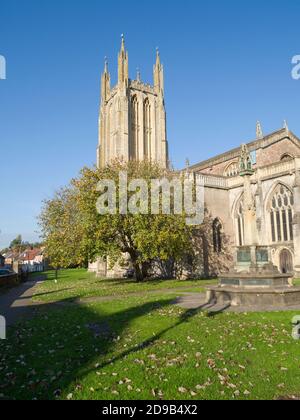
(145, 269)
(205, 256)
(139, 275)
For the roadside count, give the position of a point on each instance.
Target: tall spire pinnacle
(105, 65)
(187, 164)
(138, 74)
(285, 125)
(123, 63)
(157, 57)
(105, 81)
(122, 43)
(158, 73)
(259, 132)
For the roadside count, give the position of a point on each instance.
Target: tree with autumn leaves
(75, 233)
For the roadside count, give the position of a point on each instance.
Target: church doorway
(286, 261)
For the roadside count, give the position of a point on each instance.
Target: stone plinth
(260, 285)
(254, 297)
(257, 280)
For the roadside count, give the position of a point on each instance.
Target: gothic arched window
(134, 126)
(281, 214)
(286, 157)
(217, 236)
(147, 129)
(232, 170)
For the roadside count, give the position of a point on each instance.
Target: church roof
(262, 143)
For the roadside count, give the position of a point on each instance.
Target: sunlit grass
(147, 348)
(297, 282)
(74, 284)
(144, 347)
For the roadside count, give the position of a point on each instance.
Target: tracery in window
(232, 170)
(281, 214)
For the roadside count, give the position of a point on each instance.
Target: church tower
(132, 122)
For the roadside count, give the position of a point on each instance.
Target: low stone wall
(9, 280)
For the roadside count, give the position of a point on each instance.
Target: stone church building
(275, 187)
(133, 126)
(132, 116)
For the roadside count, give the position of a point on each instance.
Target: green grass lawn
(33, 276)
(74, 284)
(144, 347)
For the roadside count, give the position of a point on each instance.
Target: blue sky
(227, 64)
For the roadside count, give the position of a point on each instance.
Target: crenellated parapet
(142, 87)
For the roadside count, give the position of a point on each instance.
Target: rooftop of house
(11, 255)
(30, 254)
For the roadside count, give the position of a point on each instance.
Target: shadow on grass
(93, 279)
(184, 318)
(37, 295)
(153, 282)
(69, 339)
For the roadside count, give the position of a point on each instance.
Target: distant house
(31, 257)
(2, 260)
(40, 257)
(30, 260)
(10, 257)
